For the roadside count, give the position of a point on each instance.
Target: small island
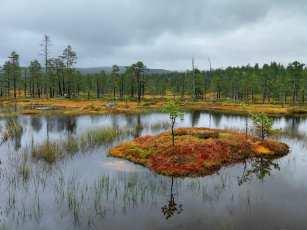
(197, 151)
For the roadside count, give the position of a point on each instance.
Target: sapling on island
(263, 124)
(174, 111)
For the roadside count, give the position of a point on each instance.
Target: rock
(111, 105)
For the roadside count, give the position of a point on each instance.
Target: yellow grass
(150, 103)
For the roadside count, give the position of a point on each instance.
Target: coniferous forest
(58, 77)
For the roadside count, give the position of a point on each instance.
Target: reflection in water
(172, 208)
(36, 123)
(138, 126)
(59, 124)
(195, 116)
(293, 123)
(71, 124)
(96, 192)
(259, 167)
(217, 117)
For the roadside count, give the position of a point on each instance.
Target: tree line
(57, 77)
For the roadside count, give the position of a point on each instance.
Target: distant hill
(94, 70)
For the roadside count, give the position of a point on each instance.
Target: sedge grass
(51, 151)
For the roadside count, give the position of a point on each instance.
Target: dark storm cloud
(162, 33)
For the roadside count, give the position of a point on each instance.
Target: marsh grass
(12, 129)
(97, 137)
(24, 168)
(51, 151)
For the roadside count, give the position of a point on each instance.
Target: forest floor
(105, 106)
(197, 151)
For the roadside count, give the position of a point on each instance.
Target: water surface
(92, 191)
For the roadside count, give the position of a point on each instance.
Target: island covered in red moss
(197, 151)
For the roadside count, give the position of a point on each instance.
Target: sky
(162, 33)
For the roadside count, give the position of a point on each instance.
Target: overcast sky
(162, 33)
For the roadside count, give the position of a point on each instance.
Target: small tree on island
(263, 124)
(174, 111)
(244, 107)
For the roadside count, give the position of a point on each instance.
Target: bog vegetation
(51, 151)
(197, 152)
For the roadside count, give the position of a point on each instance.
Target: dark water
(92, 191)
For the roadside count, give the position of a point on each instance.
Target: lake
(90, 190)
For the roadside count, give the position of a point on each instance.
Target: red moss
(197, 151)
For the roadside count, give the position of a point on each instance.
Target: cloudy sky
(162, 33)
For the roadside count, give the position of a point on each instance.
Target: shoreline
(75, 107)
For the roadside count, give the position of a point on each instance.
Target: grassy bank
(197, 151)
(105, 106)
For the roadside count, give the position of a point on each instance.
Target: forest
(58, 77)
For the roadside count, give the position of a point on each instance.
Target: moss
(198, 151)
(142, 153)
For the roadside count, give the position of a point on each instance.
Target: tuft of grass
(51, 151)
(70, 146)
(100, 136)
(12, 130)
(47, 151)
(24, 169)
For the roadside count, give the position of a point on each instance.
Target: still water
(92, 191)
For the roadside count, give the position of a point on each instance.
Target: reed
(51, 151)
(24, 168)
(48, 151)
(12, 129)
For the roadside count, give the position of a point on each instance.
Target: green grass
(12, 129)
(47, 151)
(24, 168)
(100, 136)
(51, 151)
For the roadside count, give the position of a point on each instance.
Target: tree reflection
(71, 124)
(138, 127)
(171, 208)
(259, 167)
(217, 118)
(36, 123)
(195, 116)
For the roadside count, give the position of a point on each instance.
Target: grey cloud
(163, 33)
